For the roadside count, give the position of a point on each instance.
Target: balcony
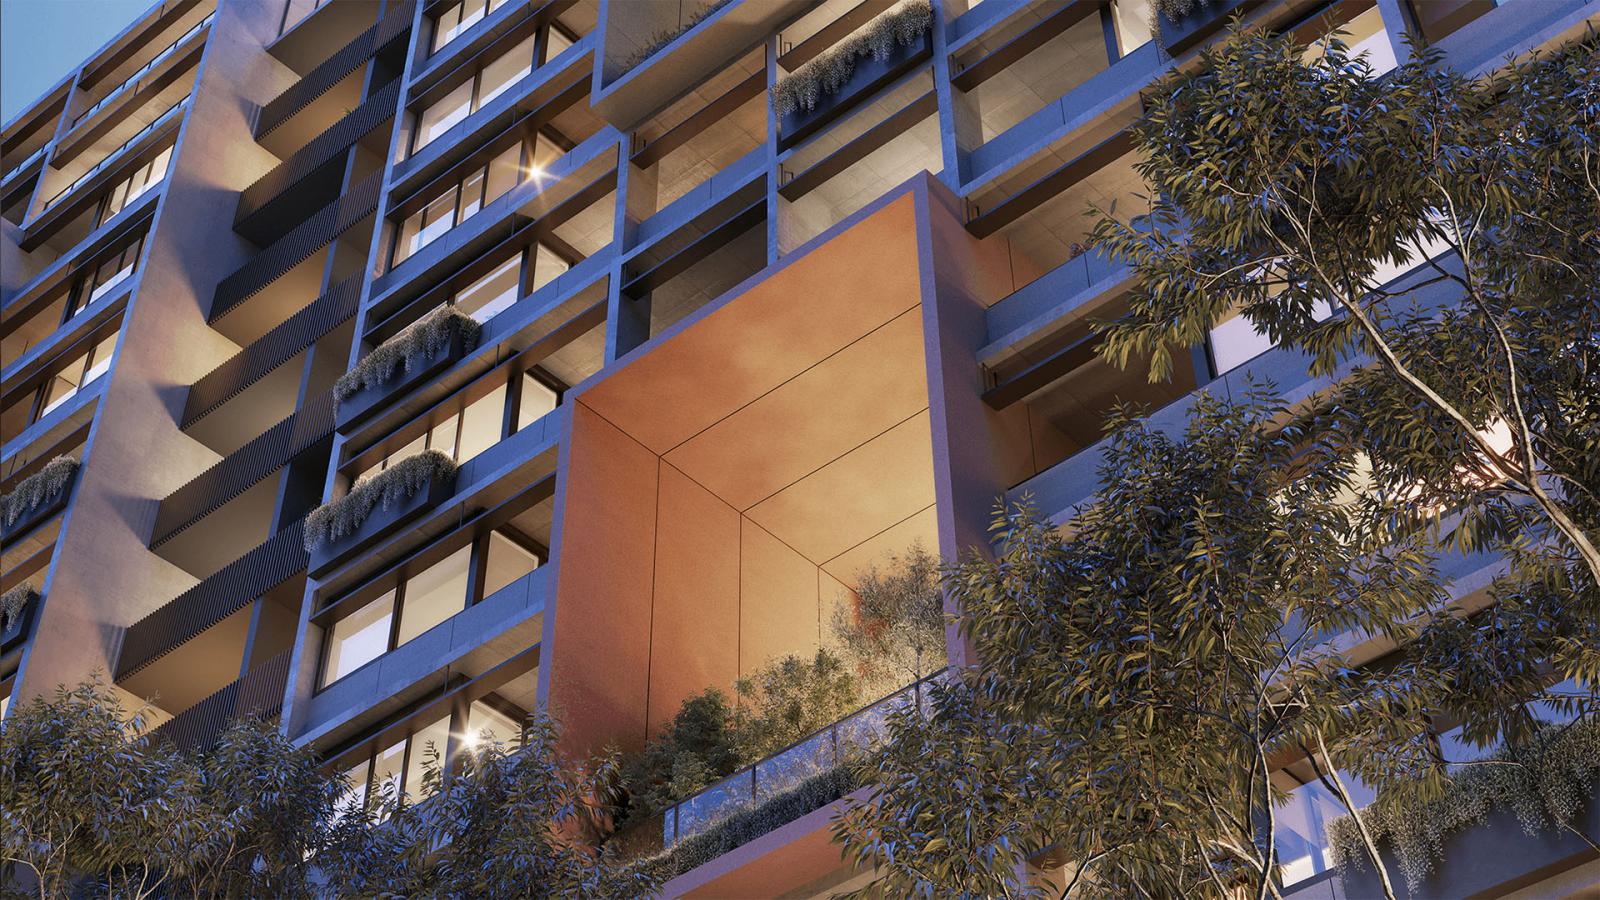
(14, 625)
(244, 468)
(812, 756)
(376, 39)
(631, 87)
(258, 694)
(214, 598)
(312, 175)
(38, 497)
(382, 518)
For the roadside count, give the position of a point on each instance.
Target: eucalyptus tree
(505, 821)
(1291, 184)
(1139, 675)
(895, 629)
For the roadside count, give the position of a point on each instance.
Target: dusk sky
(41, 40)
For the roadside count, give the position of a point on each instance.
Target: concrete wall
(165, 345)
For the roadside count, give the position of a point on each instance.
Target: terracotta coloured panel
(694, 640)
(601, 645)
(768, 334)
(860, 494)
(778, 600)
(823, 413)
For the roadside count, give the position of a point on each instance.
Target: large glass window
(101, 278)
(463, 435)
(455, 204)
(488, 725)
(138, 182)
(508, 560)
(493, 79)
(422, 598)
(358, 639)
(1303, 817)
(458, 17)
(435, 594)
(79, 371)
(402, 765)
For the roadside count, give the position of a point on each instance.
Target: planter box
(10, 637)
(363, 404)
(1490, 859)
(870, 76)
(1208, 18)
(379, 525)
(30, 519)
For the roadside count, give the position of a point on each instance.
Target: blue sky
(42, 40)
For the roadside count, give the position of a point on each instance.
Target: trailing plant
(748, 824)
(830, 72)
(1177, 9)
(1545, 782)
(39, 488)
(664, 36)
(423, 339)
(397, 483)
(14, 601)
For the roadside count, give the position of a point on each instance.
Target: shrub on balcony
(830, 72)
(422, 339)
(399, 482)
(14, 601)
(39, 488)
(710, 738)
(664, 36)
(746, 825)
(1545, 783)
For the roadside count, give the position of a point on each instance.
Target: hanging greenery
(664, 36)
(39, 488)
(1177, 9)
(14, 601)
(830, 72)
(396, 484)
(1545, 783)
(423, 339)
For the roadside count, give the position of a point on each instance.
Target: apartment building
(709, 353)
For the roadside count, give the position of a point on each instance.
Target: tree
(894, 631)
(1285, 185)
(82, 791)
(91, 803)
(1137, 676)
(510, 822)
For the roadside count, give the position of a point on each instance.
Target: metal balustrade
(156, 60)
(109, 157)
(813, 755)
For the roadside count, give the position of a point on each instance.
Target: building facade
(719, 339)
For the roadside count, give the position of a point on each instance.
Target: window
(358, 639)
(403, 764)
(487, 725)
(508, 561)
(458, 17)
(101, 278)
(71, 378)
(487, 83)
(141, 180)
(1303, 817)
(435, 594)
(538, 399)
(493, 292)
(463, 435)
(417, 599)
(456, 203)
